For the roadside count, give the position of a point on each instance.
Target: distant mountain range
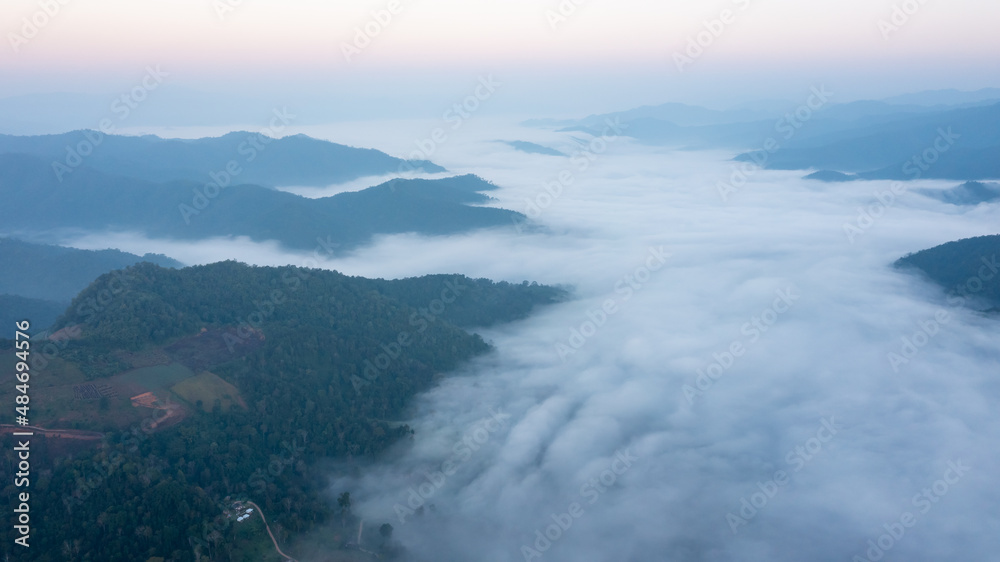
(289, 161)
(38, 281)
(968, 270)
(41, 314)
(92, 200)
(682, 115)
(943, 135)
(946, 97)
(55, 273)
(830, 176)
(688, 126)
(533, 148)
(959, 144)
(189, 190)
(969, 193)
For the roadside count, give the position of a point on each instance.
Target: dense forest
(966, 269)
(322, 363)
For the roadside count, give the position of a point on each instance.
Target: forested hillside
(305, 365)
(967, 269)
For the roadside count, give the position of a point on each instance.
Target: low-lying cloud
(815, 360)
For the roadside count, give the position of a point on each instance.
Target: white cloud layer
(814, 360)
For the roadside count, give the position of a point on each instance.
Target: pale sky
(605, 49)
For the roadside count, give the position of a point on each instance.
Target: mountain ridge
(264, 160)
(94, 201)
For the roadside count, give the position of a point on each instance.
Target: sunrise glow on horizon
(203, 33)
(654, 51)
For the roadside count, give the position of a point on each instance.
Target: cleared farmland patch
(208, 387)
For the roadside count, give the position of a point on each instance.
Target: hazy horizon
(739, 370)
(245, 57)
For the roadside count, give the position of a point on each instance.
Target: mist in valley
(714, 341)
(740, 368)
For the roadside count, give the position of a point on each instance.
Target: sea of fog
(730, 381)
